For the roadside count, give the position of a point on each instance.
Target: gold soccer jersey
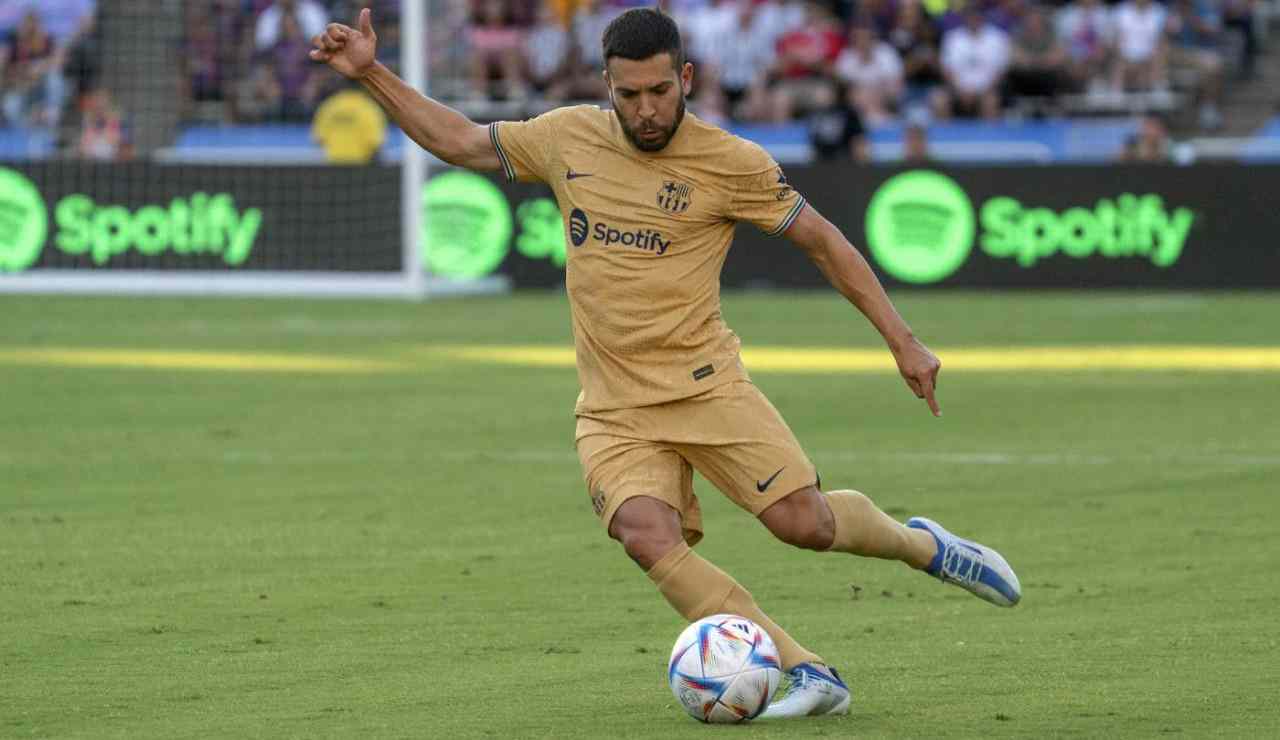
(647, 235)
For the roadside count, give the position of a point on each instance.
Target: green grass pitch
(410, 552)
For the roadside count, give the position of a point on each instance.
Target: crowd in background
(245, 61)
(249, 57)
(49, 69)
(757, 60)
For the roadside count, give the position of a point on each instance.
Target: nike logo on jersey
(571, 175)
(762, 487)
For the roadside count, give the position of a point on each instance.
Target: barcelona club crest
(675, 197)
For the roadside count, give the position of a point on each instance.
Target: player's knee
(647, 528)
(802, 519)
(647, 545)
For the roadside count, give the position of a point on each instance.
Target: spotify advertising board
(1115, 226)
(1144, 226)
(141, 216)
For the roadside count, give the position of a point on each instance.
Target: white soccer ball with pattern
(724, 669)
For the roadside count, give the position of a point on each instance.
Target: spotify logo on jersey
(578, 227)
(920, 226)
(24, 222)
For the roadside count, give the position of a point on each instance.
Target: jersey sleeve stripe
(502, 155)
(791, 217)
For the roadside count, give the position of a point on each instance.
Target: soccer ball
(724, 668)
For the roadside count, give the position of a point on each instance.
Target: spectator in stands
(1238, 15)
(1194, 33)
(781, 17)
(677, 8)
(30, 68)
(736, 73)
(873, 73)
(11, 15)
(104, 131)
(836, 132)
(1007, 15)
(915, 38)
(258, 95)
(588, 28)
(1149, 144)
(806, 58)
(880, 15)
(350, 127)
(448, 50)
(1039, 64)
(975, 58)
(83, 53)
(208, 51)
(915, 144)
(1141, 55)
(565, 9)
(296, 76)
(309, 15)
(67, 21)
(708, 27)
(1086, 29)
(547, 55)
(497, 51)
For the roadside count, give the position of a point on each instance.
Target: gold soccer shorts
(730, 434)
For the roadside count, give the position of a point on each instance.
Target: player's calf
(861, 528)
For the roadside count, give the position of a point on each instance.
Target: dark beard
(655, 146)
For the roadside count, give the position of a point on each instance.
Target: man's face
(862, 39)
(648, 98)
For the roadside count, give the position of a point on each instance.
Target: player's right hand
(919, 367)
(350, 52)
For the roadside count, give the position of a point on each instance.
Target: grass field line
(568, 457)
(831, 359)
(792, 360)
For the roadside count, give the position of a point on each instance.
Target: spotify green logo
(467, 225)
(920, 226)
(24, 222)
(541, 231)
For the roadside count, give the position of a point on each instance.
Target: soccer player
(650, 195)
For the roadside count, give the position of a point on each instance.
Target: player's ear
(608, 90)
(686, 78)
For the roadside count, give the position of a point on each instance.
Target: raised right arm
(437, 128)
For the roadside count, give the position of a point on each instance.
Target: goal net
(192, 146)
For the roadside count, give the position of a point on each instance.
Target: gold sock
(862, 529)
(695, 588)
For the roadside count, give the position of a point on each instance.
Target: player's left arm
(850, 274)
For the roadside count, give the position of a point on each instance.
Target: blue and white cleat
(976, 568)
(811, 691)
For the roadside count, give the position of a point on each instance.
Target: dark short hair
(641, 33)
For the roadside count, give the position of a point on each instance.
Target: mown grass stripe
(795, 360)
(829, 359)
(191, 360)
